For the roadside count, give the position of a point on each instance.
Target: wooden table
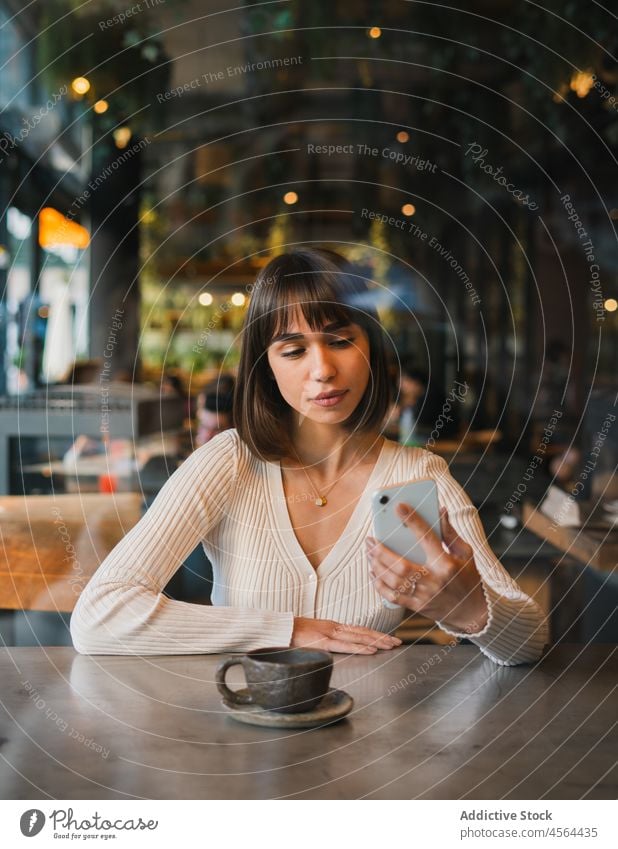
(595, 543)
(53, 544)
(429, 722)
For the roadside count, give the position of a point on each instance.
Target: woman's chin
(317, 416)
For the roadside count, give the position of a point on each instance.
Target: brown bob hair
(325, 288)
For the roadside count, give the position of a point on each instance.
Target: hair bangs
(307, 284)
(312, 299)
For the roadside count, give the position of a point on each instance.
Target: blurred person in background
(412, 392)
(403, 416)
(213, 413)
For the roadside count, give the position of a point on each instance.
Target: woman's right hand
(335, 637)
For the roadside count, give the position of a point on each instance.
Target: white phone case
(388, 528)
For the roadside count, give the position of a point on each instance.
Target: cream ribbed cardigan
(234, 504)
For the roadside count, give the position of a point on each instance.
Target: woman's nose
(322, 365)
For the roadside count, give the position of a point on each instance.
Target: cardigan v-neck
(356, 524)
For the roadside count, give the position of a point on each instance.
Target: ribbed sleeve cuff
(515, 631)
(270, 630)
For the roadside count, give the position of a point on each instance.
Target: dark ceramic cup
(281, 679)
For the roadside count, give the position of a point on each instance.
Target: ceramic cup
(280, 679)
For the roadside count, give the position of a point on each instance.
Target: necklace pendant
(320, 501)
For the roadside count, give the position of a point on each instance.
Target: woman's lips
(332, 401)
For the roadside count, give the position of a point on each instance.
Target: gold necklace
(319, 500)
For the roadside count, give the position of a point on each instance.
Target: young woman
(281, 505)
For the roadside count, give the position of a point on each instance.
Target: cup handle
(222, 687)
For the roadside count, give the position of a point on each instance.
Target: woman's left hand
(446, 588)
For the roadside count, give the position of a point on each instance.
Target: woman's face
(322, 375)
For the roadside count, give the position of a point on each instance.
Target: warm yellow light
(613, 214)
(290, 198)
(611, 305)
(122, 137)
(375, 32)
(101, 106)
(403, 137)
(205, 299)
(408, 209)
(80, 86)
(55, 230)
(560, 93)
(581, 82)
(238, 299)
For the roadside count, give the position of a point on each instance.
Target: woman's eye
(335, 343)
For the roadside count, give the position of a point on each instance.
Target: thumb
(449, 534)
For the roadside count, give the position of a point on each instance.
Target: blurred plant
(279, 233)
(125, 64)
(19, 358)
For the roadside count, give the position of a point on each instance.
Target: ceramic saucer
(335, 705)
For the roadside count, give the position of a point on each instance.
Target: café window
(63, 293)
(56, 315)
(16, 56)
(18, 290)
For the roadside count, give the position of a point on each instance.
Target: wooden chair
(52, 544)
(472, 442)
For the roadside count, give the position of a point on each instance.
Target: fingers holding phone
(454, 543)
(396, 578)
(418, 561)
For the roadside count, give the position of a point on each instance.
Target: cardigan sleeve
(122, 610)
(516, 630)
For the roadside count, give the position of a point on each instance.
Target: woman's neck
(328, 452)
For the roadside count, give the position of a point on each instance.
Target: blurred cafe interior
(152, 161)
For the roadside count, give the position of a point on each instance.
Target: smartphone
(388, 528)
